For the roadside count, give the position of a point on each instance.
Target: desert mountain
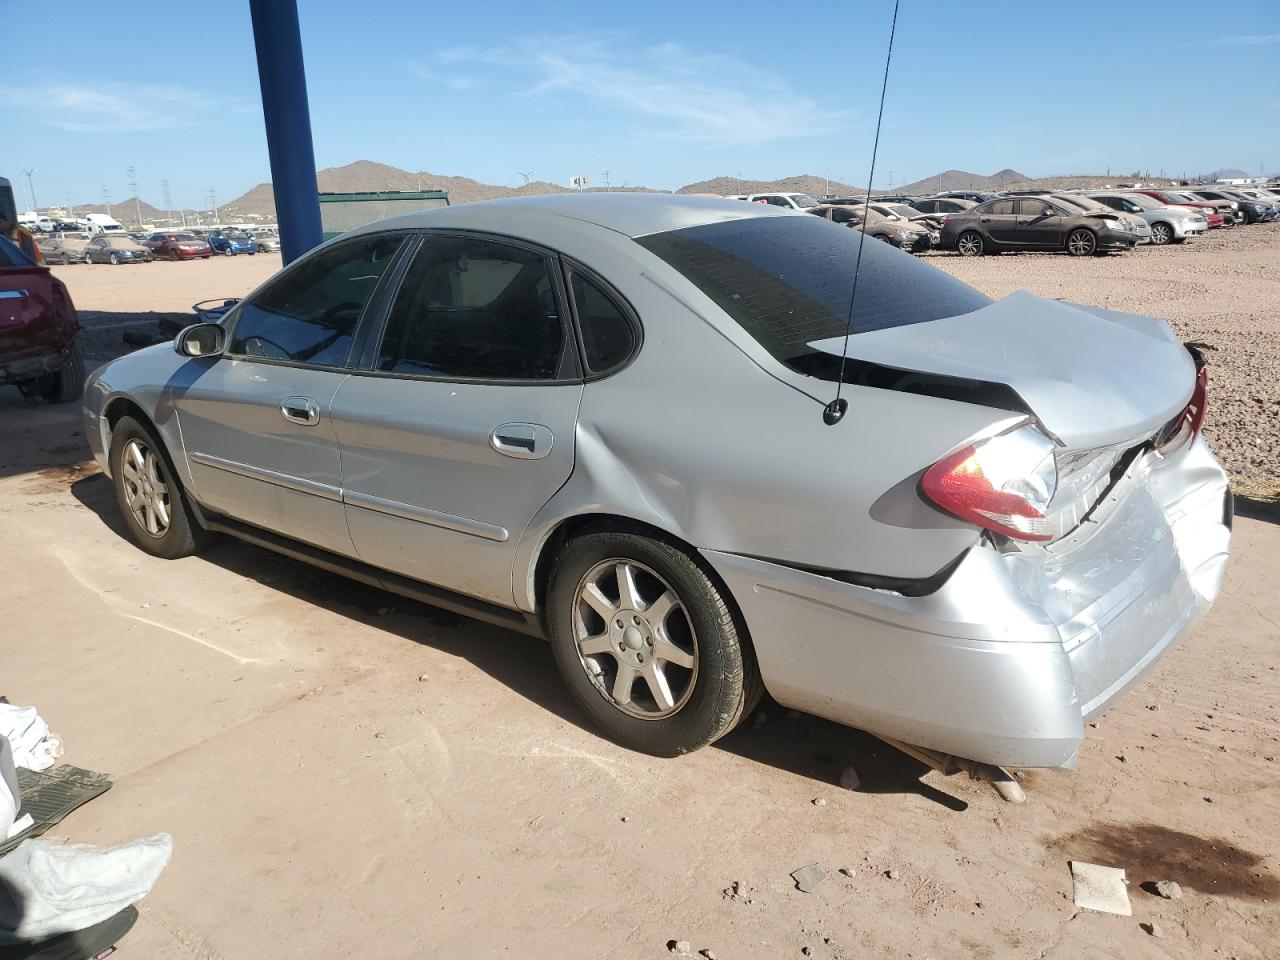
(960, 180)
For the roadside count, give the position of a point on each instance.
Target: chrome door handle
(524, 441)
(301, 410)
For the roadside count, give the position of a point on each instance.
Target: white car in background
(1169, 224)
(788, 201)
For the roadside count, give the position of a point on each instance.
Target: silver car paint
(708, 438)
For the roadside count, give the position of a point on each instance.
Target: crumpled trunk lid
(1092, 377)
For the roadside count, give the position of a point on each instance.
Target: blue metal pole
(284, 107)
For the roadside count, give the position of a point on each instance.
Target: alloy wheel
(635, 639)
(145, 491)
(969, 244)
(1160, 234)
(1081, 243)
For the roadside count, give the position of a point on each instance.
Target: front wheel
(648, 643)
(113, 260)
(1082, 243)
(150, 496)
(1161, 233)
(970, 244)
(229, 252)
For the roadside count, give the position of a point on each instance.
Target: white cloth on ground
(34, 747)
(46, 888)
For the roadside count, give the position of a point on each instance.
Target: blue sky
(658, 93)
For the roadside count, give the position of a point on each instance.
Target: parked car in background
(942, 206)
(898, 231)
(38, 330)
(973, 196)
(1263, 197)
(1017, 519)
(1251, 210)
(1035, 223)
(1209, 209)
(65, 247)
(228, 243)
(178, 246)
(788, 201)
(265, 242)
(1167, 224)
(116, 249)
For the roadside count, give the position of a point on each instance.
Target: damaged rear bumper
(1010, 657)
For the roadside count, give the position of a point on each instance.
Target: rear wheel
(66, 385)
(1161, 233)
(970, 244)
(648, 643)
(1082, 243)
(149, 495)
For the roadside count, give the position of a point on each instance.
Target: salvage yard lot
(350, 773)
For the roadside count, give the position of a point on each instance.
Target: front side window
(471, 309)
(309, 314)
(1035, 208)
(787, 282)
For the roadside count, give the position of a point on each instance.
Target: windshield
(1145, 202)
(787, 281)
(803, 200)
(902, 210)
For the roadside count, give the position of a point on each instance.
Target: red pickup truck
(38, 329)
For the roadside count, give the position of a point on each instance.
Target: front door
(1039, 224)
(256, 423)
(463, 428)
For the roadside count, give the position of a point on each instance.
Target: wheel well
(124, 407)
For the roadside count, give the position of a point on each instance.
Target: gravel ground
(1220, 289)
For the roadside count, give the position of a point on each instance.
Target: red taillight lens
(1003, 484)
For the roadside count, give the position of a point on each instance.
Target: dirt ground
(347, 773)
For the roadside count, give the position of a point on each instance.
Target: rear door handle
(301, 410)
(524, 441)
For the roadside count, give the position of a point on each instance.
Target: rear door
(1000, 219)
(461, 427)
(255, 420)
(1039, 224)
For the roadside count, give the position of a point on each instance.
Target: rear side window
(309, 314)
(475, 309)
(608, 336)
(787, 282)
(999, 207)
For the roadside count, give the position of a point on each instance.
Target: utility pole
(71, 211)
(137, 204)
(418, 174)
(738, 177)
(31, 190)
(213, 203)
(168, 200)
(607, 185)
(106, 198)
(527, 176)
(891, 181)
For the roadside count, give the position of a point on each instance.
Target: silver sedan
(600, 419)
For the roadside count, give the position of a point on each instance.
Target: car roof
(631, 214)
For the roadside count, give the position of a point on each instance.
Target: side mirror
(200, 340)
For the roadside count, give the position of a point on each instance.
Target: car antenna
(834, 412)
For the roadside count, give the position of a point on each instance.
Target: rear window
(787, 280)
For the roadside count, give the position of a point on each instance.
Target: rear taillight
(1003, 484)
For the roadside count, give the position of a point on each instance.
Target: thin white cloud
(1250, 39)
(117, 107)
(677, 92)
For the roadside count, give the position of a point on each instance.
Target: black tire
(725, 684)
(1081, 243)
(66, 385)
(971, 244)
(113, 260)
(229, 252)
(1161, 234)
(183, 534)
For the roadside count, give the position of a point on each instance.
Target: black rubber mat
(92, 943)
(52, 794)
